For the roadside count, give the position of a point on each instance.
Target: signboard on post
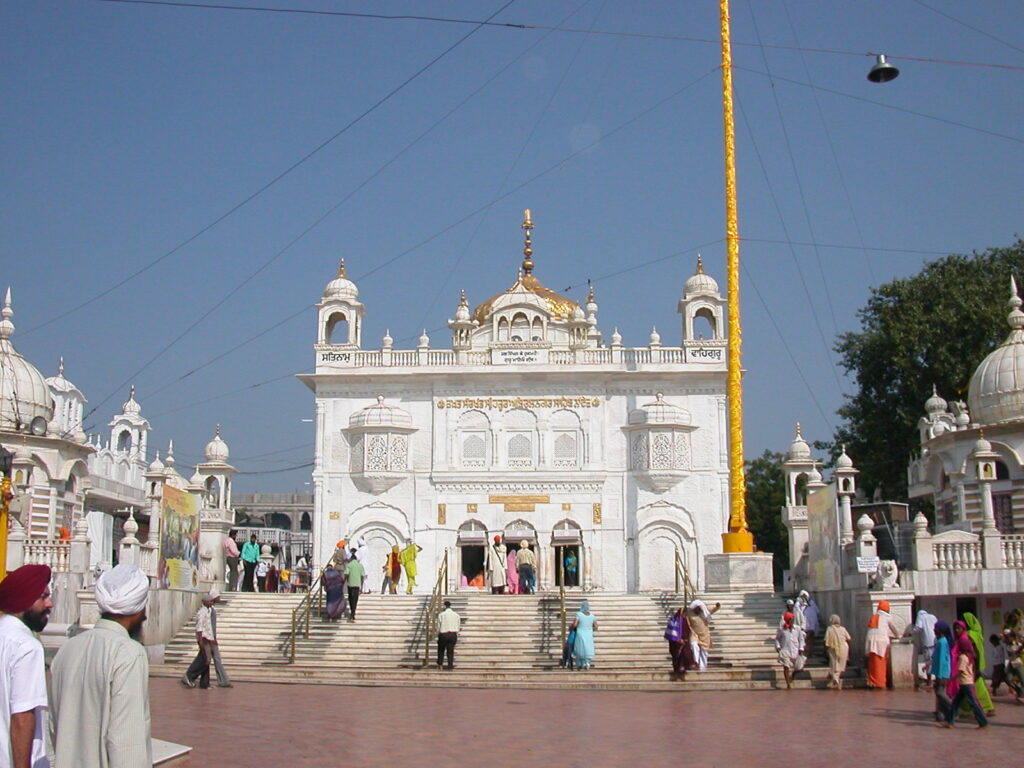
(179, 540)
(868, 564)
(823, 546)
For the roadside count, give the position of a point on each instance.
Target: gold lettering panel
(504, 404)
(597, 513)
(442, 514)
(471, 508)
(522, 499)
(519, 507)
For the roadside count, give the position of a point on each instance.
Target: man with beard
(100, 681)
(25, 603)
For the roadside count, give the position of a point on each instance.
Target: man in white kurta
(100, 682)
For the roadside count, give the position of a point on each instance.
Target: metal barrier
(301, 613)
(683, 583)
(434, 607)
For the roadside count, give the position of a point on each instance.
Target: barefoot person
(789, 643)
(837, 643)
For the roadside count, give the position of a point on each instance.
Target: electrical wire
(914, 112)
(253, 195)
(540, 27)
(963, 23)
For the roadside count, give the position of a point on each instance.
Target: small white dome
(424, 342)
(577, 313)
(655, 337)
(380, 415)
(462, 313)
(798, 449)
(700, 282)
(24, 395)
(844, 461)
(616, 338)
(996, 392)
(387, 342)
(659, 413)
(935, 404)
(130, 407)
(981, 445)
(341, 287)
(60, 384)
(591, 303)
(156, 465)
(196, 479)
(814, 476)
(217, 449)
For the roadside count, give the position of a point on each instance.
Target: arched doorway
(658, 542)
(379, 538)
(567, 543)
(472, 543)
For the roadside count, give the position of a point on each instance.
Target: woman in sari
(837, 643)
(881, 632)
(677, 632)
(392, 570)
(978, 639)
(334, 585)
(512, 572)
(585, 623)
(966, 673)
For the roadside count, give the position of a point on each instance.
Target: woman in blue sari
(584, 624)
(334, 584)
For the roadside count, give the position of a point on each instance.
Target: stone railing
(52, 552)
(1013, 551)
(629, 357)
(957, 555)
(965, 551)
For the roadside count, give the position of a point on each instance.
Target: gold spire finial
(799, 436)
(590, 294)
(341, 269)
(700, 264)
(462, 299)
(527, 243)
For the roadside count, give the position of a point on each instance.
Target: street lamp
(882, 71)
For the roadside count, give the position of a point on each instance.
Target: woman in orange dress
(881, 631)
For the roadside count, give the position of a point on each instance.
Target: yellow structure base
(738, 541)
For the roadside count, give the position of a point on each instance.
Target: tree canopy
(766, 495)
(933, 328)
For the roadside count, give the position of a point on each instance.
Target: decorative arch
(338, 323)
(473, 442)
(664, 528)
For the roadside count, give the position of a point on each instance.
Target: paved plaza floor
(295, 726)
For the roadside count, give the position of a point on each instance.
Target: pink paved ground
(293, 726)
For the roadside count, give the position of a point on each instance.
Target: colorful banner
(823, 548)
(179, 540)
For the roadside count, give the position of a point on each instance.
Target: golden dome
(558, 305)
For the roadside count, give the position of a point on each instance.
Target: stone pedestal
(738, 572)
(901, 665)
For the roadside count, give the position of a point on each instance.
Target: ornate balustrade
(957, 555)
(1013, 551)
(55, 553)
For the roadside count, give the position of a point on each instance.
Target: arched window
(704, 324)
(538, 330)
(473, 438)
(124, 440)
(1002, 471)
(520, 327)
(306, 523)
(337, 329)
(502, 329)
(567, 445)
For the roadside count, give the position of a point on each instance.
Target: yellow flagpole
(738, 539)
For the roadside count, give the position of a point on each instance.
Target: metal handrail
(561, 600)
(301, 613)
(683, 583)
(434, 606)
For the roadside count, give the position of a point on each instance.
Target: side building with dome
(528, 424)
(62, 476)
(945, 470)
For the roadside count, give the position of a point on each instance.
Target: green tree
(766, 495)
(930, 329)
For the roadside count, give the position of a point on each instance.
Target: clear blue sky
(129, 128)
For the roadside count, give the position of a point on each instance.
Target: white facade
(528, 427)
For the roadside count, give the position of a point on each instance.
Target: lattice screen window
(474, 451)
(399, 460)
(1002, 507)
(520, 451)
(662, 451)
(357, 453)
(377, 453)
(640, 452)
(566, 454)
(682, 450)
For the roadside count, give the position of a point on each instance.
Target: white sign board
(867, 564)
(518, 356)
(705, 354)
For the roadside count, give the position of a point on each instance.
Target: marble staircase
(506, 641)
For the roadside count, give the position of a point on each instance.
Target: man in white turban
(100, 681)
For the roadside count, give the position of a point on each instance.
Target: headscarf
(834, 619)
(977, 637)
(804, 595)
(942, 629)
(883, 605)
(965, 645)
(701, 607)
(122, 591)
(585, 606)
(787, 620)
(22, 587)
(926, 624)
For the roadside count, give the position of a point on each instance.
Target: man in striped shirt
(100, 681)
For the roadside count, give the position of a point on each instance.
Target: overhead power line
(542, 27)
(253, 195)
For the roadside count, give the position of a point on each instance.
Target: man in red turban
(25, 603)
